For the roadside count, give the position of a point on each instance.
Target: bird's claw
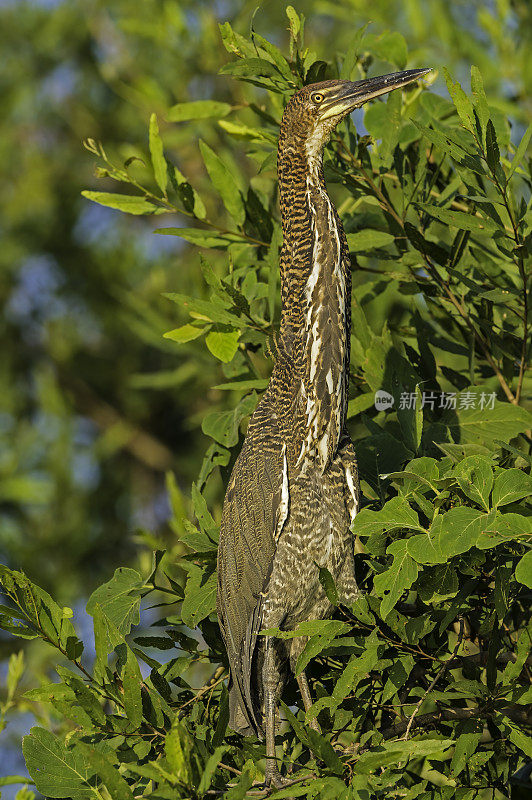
(274, 779)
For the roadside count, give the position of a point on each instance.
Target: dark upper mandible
(333, 100)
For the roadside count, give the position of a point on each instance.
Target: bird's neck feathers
(316, 290)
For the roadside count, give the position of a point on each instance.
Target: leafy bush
(422, 688)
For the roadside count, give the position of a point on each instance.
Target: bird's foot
(273, 778)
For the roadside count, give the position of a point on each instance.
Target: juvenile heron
(294, 489)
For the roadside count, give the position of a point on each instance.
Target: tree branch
(516, 713)
(439, 674)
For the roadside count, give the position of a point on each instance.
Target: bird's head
(316, 110)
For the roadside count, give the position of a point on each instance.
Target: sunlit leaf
(157, 157)
(58, 771)
(129, 203)
(119, 598)
(223, 344)
(197, 109)
(224, 183)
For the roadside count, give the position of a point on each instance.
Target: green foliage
(421, 688)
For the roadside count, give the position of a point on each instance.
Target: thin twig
(217, 678)
(436, 679)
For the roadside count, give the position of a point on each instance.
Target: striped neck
(316, 292)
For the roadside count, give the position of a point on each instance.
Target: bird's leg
(270, 683)
(307, 699)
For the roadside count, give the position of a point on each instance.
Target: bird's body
(293, 492)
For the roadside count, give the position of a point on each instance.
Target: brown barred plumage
(293, 492)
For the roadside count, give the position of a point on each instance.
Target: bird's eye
(317, 98)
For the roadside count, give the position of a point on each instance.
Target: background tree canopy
(132, 360)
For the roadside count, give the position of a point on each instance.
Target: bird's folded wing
(245, 554)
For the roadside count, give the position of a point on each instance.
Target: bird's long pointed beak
(355, 94)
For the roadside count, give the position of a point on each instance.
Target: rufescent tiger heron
(294, 489)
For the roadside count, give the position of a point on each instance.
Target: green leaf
(368, 240)
(245, 782)
(224, 182)
(243, 386)
(15, 671)
(223, 426)
(502, 296)
(493, 155)
(250, 68)
(115, 783)
(42, 612)
(199, 237)
(351, 57)
(157, 156)
(521, 150)
(200, 598)
(203, 514)
(63, 701)
(398, 675)
(106, 638)
(523, 571)
(294, 22)
(119, 599)
(197, 109)
(521, 740)
(84, 695)
(58, 771)
(240, 131)
(454, 532)
(461, 101)
(395, 515)
(9, 780)
(393, 582)
(132, 685)
(442, 140)
(317, 743)
(210, 768)
(426, 246)
(355, 670)
(503, 528)
(458, 219)
(203, 309)
(275, 55)
(234, 42)
(315, 644)
(474, 475)
(465, 747)
(189, 196)
(437, 584)
(411, 421)
(328, 585)
(481, 104)
(223, 344)
(398, 751)
(223, 718)
(131, 204)
(511, 485)
(358, 404)
(312, 627)
(186, 333)
(176, 746)
(513, 668)
(390, 135)
(484, 425)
